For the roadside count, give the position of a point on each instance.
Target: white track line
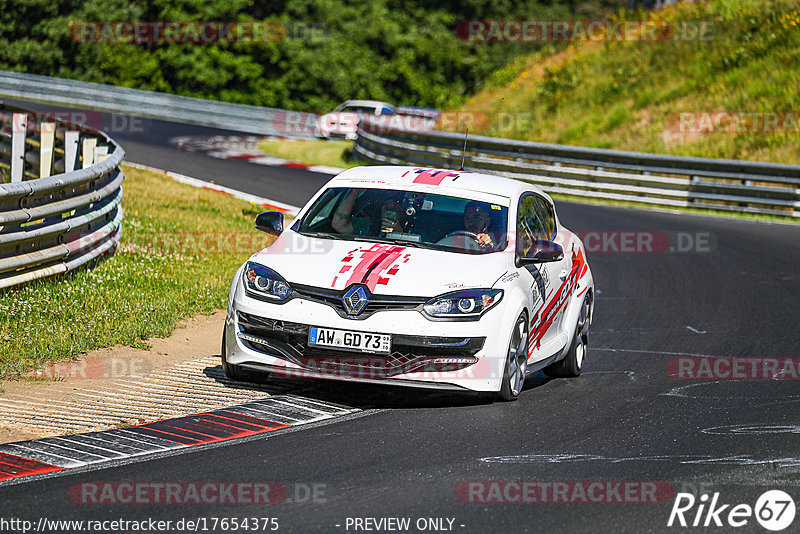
(194, 182)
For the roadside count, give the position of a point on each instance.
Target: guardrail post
(19, 129)
(88, 151)
(48, 138)
(100, 153)
(70, 150)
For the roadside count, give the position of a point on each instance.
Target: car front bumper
(459, 355)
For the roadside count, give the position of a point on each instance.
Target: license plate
(345, 339)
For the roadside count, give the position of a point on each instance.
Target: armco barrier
(60, 194)
(183, 109)
(660, 180)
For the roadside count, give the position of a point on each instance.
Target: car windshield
(408, 218)
(359, 109)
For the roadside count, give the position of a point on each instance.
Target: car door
(536, 222)
(561, 268)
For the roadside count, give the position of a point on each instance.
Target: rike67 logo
(774, 510)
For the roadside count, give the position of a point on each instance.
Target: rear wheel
(572, 364)
(516, 361)
(236, 372)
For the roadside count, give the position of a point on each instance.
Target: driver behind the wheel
(477, 219)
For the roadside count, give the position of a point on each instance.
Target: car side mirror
(543, 251)
(270, 222)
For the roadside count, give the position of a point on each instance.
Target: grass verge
(331, 153)
(179, 250)
(677, 94)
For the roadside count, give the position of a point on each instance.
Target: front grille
(333, 298)
(289, 341)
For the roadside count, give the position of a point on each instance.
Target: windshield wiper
(323, 235)
(400, 242)
(373, 239)
(419, 245)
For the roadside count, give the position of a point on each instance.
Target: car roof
(366, 103)
(444, 181)
(418, 111)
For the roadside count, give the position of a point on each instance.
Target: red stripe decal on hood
(374, 264)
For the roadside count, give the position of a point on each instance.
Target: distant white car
(420, 277)
(343, 121)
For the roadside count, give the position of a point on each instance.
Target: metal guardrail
(237, 117)
(54, 223)
(662, 180)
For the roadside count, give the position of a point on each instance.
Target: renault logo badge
(354, 300)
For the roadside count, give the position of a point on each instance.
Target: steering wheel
(467, 233)
(466, 244)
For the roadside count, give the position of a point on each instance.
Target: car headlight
(264, 283)
(468, 303)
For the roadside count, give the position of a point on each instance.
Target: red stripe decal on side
(15, 466)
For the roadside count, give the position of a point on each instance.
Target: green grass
(179, 250)
(331, 153)
(626, 95)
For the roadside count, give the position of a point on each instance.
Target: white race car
(421, 277)
(343, 121)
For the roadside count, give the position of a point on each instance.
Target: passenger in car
(343, 220)
(366, 220)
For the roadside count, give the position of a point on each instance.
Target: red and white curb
(57, 454)
(288, 209)
(242, 148)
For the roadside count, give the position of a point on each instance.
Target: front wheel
(516, 362)
(572, 364)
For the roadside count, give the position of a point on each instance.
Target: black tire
(516, 361)
(236, 372)
(572, 364)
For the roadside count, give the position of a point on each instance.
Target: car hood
(386, 269)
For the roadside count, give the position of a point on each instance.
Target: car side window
(326, 207)
(548, 216)
(530, 226)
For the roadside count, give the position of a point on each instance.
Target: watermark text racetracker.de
(647, 241)
(204, 493)
(733, 368)
(534, 31)
(195, 31)
(111, 123)
(92, 367)
(595, 241)
(564, 492)
(734, 122)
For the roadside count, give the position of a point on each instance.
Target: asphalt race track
(410, 454)
(147, 142)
